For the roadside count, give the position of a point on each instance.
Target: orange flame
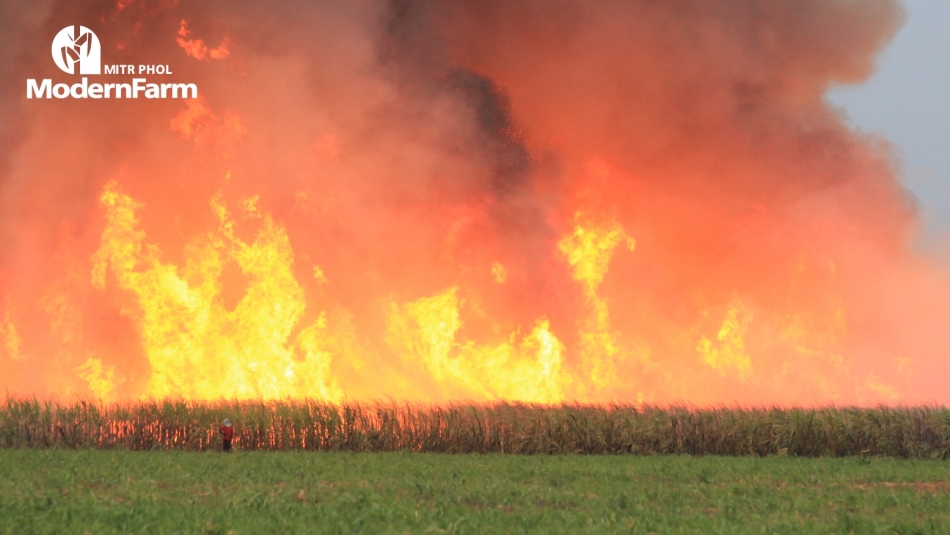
(196, 48)
(475, 200)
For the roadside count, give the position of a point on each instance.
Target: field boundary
(921, 432)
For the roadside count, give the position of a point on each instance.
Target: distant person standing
(227, 431)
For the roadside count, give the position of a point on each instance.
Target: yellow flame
(196, 347)
(729, 353)
(499, 272)
(319, 275)
(425, 331)
(101, 378)
(882, 389)
(9, 339)
(588, 251)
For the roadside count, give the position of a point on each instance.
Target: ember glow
(481, 200)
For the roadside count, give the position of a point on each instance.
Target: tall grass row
(902, 432)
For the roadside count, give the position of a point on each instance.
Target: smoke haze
(467, 200)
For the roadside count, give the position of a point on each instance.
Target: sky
(907, 100)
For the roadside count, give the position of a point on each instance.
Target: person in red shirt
(227, 431)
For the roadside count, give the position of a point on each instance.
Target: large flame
(479, 200)
(195, 346)
(198, 349)
(588, 252)
(426, 331)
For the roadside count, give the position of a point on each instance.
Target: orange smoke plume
(475, 200)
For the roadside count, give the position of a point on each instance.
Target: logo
(76, 50)
(77, 44)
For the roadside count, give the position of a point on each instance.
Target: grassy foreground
(118, 491)
(921, 432)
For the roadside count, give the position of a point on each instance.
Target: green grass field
(89, 491)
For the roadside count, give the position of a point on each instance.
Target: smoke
(635, 201)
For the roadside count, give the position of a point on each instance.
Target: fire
(465, 201)
(426, 330)
(588, 252)
(9, 340)
(197, 349)
(196, 48)
(101, 378)
(728, 353)
(197, 123)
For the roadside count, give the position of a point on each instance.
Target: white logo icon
(77, 44)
